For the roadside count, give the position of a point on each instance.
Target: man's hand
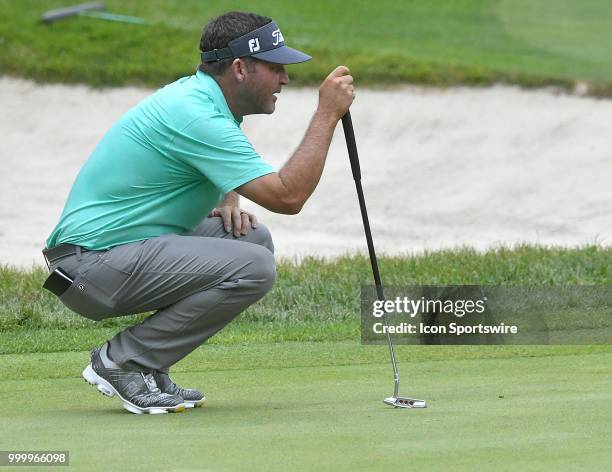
(233, 217)
(336, 93)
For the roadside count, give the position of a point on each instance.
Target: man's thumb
(339, 72)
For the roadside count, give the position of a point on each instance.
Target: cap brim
(282, 55)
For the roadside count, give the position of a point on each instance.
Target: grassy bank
(316, 300)
(477, 42)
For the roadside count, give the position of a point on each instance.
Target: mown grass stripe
(533, 43)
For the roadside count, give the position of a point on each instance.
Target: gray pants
(197, 283)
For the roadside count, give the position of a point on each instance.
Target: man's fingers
(246, 223)
(253, 220)
(345, 79)
(226, 215)
(236, 221)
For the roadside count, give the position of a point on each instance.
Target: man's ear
(238, 69)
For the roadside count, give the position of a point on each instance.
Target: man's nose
(284, 77)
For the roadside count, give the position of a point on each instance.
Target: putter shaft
(351, 145)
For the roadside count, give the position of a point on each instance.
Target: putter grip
(349, 135)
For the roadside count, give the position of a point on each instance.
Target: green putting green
(318, 406)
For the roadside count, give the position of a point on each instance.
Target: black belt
(62, 250)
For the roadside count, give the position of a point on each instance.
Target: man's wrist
(231, 199)
(326, 117)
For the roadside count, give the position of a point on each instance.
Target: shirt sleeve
(217, 148)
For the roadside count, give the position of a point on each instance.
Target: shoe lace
(150, 382)
(176, 389)
(172, 387)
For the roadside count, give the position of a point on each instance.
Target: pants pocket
(93, 295)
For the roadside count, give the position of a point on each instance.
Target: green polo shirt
(160, 169)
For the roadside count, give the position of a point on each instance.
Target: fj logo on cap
(254, 44)
(278, 37)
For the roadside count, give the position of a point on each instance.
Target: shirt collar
(211, 85)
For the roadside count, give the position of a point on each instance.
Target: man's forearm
(301, 173)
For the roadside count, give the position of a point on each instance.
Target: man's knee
(263, 269)
(261, 235)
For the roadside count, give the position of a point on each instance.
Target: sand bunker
(441, 168)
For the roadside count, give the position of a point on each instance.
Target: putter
(395, 401)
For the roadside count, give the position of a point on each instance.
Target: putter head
(403, 402)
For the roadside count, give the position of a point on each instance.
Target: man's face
(265, 79)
